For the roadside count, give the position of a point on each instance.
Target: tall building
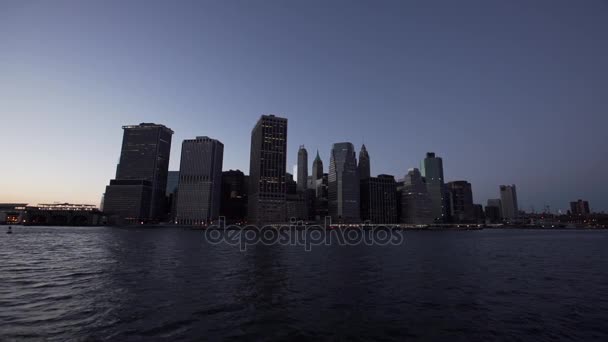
(415, 201)
(234, 196)
(432, 171)
(379, 199)
(508, 198)
(494, 210)
(200, 180)
(267, 170)
(461, 202)
(321, 194)
(343, 184)
(364, 165)
(171, 194)
(579, 208)
(137, 194)
(317, 168)
(302, 168)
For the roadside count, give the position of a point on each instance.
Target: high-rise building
(200, 179)
(579, 208)
(508, 198)
(317, 168)
(364, 164)
(321, 193)
(415, 201)
(234, 196)
(137, 194)
(171, 194)
(379, 199)
(494, 210)
(343, 184)
(461, 202)
(432, 171)
(267, 170)
(302, 168)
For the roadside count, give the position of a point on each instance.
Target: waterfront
(101, 283)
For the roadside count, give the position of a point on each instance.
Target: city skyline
(510, 104)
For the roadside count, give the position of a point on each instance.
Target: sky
(506, 92)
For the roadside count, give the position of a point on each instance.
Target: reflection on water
(121, 284)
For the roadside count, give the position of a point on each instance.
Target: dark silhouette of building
(137, 194)
(234, 196)
(493, 211)
(200, 180)
(364, 163)
(415, 204)
(579, 208)
(268, 162)
(343, 184)
(508, 199)
(379, 199)
(480, 216)
(461, 202)
(302, 168)
(432, 171)
(171, 194)
(317, 168)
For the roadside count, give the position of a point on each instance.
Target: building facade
(317, 168)
(508, 199)
(267, 168)
(579, 208)
(461, 202)
(415, 201)
(364, 163)
(234, 196)
(302, 168)
(379, 199)
(137, 194)
(432, 171)
(200, 179)
(343, 184)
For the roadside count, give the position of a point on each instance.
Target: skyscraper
(494, 210)
(379, 199)
(343, 184)
(579, 208)
(234, 196)
(461, 202)
(432, 171)
(364, 165)
(137, 194)
(200, 179)
(302, 168)
(508, 198)
(267, 169)
(317, 168)
(415, 201)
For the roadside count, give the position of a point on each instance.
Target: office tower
(461, 202)
(321, 193)
(579, 208)
(343, 184)
(200, 180)
(415, 201)
(364, 165)
(379, 199)
(480, 216)
(268, 162)
(302, 168)
(233, 205)
(171, 194)
(432, 171)
(508, 198)
(291, 185)
(494, 210)
(137, 194)
(317, 168)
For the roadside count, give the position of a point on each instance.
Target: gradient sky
(505, 91)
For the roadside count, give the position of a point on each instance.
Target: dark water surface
(168, 284)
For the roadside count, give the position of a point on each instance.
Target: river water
(101, 283)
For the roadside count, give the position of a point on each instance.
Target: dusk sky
(504, 91)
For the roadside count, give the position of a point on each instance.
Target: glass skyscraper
(432, 170)
(343, 184)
